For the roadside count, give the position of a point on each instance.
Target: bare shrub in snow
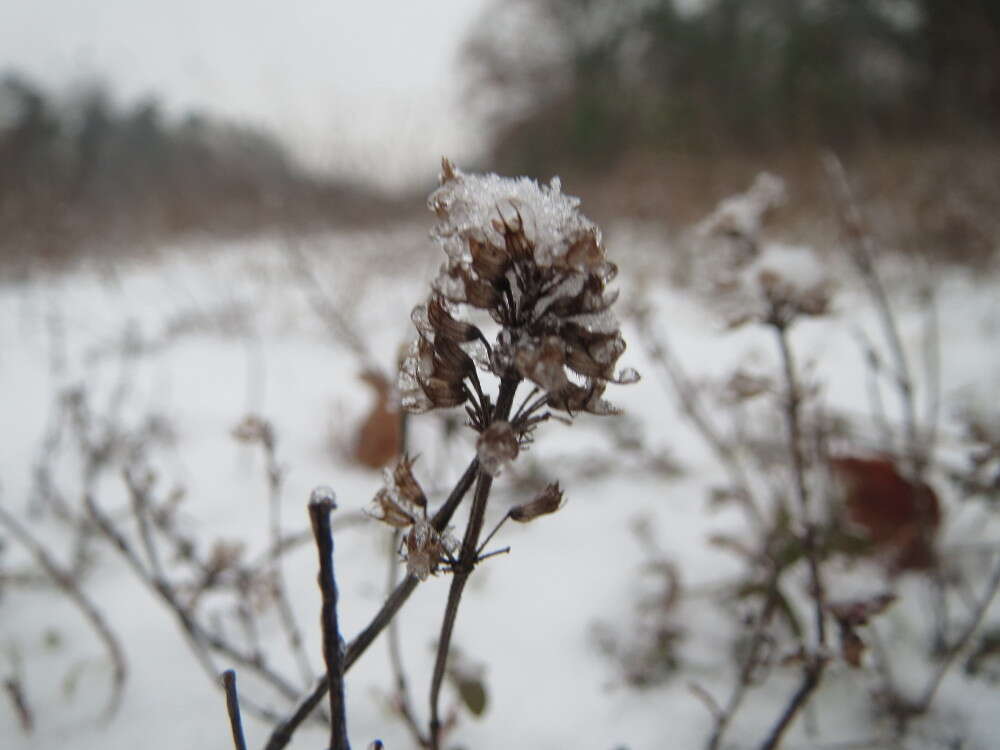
(823, 501)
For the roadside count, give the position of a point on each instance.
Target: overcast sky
(364, 86)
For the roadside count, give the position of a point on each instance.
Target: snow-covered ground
(216, 333)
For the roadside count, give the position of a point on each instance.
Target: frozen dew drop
(628, 376)
(323, 494)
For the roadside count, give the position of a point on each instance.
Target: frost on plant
(401, 503)
(522, 296)
(750, 279)
(523, 254)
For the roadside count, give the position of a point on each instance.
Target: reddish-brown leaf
(377, 441)
(899, 515)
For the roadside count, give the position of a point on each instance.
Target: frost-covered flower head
(750, 279)
(523, 254)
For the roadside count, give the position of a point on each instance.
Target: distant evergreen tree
(584, 80)
(81, 170)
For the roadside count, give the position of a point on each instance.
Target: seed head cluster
(522, 256)
(524, 264)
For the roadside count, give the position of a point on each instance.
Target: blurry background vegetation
(651, 108)
(662, 107)
(595, 80)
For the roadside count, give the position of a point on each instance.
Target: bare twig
(283, 732)
(813, 663)
(963, 639)
(689, 401)
(233, 707)
(70, 586)
(723, 716)
(285, 613)
(862, 251)
(201, 639)
(810, 681)
(15, 691)
(793, 420)
(874, 363)
(402, 698)
(931, 351)
(321, 504)
(459, 579)
(325, 310)
(467, 559)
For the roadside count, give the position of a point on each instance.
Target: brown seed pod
(547, 501)
(497, 447)
(448, 327)
(407, 485)
(489, 261)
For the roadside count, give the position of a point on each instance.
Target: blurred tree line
(78, 171)
(568, 83)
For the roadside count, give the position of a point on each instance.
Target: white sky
(363, 87)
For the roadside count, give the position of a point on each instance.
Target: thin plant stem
(793, 420)
(69, 585)
(19, 702)
(690, 403)
(233, 708)
(319, 514)
(724, 716)
(202, 641)
(283, 732)
(462, 571)
(952, 653)
(814, 663)
(862, 251)
(810, 681)
(466, 563)
(285, 613)
(493, 533)
(875, 390)
(343, 330)
(403, 703)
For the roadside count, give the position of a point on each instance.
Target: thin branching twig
(959, 644)
(814, 663)
(690, 402)
(68, 583)
(320, 506)
(402, 702)
(283, 732)
(233, 708)
(202, 640)
(19, 701)
(862, 251)
(467, 559)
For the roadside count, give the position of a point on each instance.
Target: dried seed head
(743, 386)
(406, 484)
(489, 261)
(447, 171)
(401, 500)
(431, 375)
(424, 548)
(446, 326)
(548, 501)
(542, 363)
(443, 394)
(387, 509)
(254, 429)
(574, 398)
(451, 363)
(526, 255)
(497, 447)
